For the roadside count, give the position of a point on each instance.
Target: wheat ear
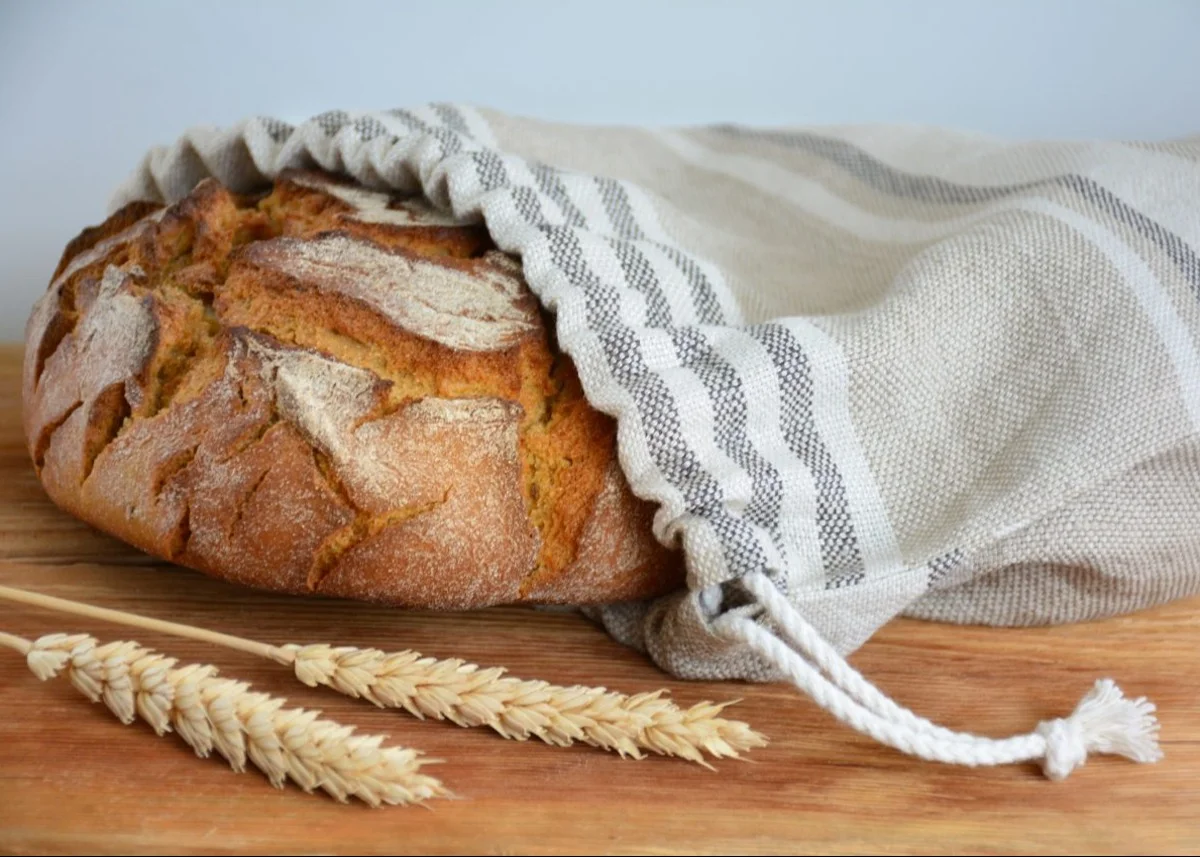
(211, 713)
(469, 695)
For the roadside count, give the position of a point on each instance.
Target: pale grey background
(86, 87)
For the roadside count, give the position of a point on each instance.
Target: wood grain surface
(74, 780)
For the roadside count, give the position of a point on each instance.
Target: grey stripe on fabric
(941, 566)
(551, 185)
(900, 183)
(639, 273)
(412, 121)
(1175, 247)
(840, 554)
(332, 121)
(278, 130)
(620, 212)
(453, 119)
(874, 172)
(731, 411)
(841, 581)
(451, 142)
(368, 127)
(490, 169)
(704, 296)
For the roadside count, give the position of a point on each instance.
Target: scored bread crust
(323, 388)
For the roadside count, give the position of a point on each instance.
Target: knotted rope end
(1105, 721)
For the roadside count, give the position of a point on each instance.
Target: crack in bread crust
(328, 472)
(364, 526)
(348, 361)
(244, 499)
(172, 467)
(46, 435)
(182, 539)
(254, 435)
(55, 329)
(106, 417)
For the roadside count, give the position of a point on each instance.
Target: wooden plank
(73, 779)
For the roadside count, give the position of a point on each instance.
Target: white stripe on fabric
(695, 415)
(645, 215)
(831, 414)
(478, 125)
(585, 196)
(1151, 296)
(730, 306)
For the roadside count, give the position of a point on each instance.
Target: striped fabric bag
(864, 372)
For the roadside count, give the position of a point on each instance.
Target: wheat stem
(17, 644)
(211, 713)
(134, 620)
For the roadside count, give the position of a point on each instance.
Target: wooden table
(73, 779)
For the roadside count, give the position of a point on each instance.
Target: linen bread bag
(853, 373)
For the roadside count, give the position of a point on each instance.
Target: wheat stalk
(211, 713)
(468, 695)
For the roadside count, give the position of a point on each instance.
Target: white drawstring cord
(813, 646)
(1103, 722)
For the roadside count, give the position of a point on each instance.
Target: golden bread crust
(326, 389)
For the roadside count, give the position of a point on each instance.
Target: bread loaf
(327, 389)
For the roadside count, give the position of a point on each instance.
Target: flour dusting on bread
(47, 305)
(320, 396)
(117, 333)
(337, 408)
(478, 310)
